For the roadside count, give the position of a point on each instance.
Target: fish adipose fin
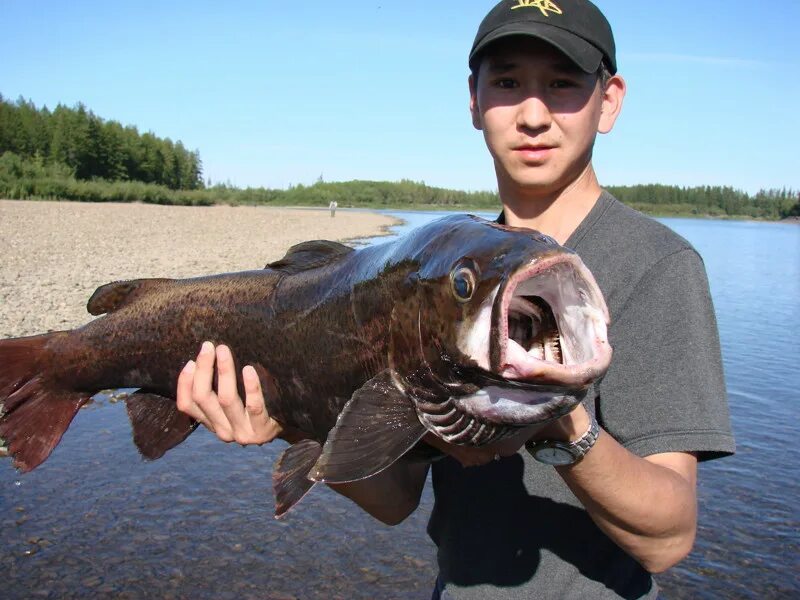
(377, 426)
(112, 296)
(290, 480)
(157, 424)
(310, 255)
(34, 412)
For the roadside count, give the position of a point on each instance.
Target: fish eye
(462, 281)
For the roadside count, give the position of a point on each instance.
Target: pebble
(92, 581)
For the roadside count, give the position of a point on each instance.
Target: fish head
(511, 324)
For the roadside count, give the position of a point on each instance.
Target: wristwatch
(556, 453)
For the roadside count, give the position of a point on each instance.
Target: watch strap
(584, 443)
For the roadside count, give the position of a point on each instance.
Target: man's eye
(562, 84)
(506, 83)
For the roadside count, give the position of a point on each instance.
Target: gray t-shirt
(513, 529)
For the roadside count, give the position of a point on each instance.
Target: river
(96, 521)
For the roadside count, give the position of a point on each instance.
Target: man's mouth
(533, 147)
(531, 153)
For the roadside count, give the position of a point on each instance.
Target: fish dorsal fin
(157, 424)
(310, 255)
(377, 426)
(290, 480)
(111, 296)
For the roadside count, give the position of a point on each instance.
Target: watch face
(554, 456)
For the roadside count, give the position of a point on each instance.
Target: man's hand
(471, 456)
(222, 411)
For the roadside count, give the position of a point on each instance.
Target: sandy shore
(54, 254)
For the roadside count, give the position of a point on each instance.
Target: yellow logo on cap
(542, 5)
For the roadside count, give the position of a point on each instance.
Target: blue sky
(278, 93)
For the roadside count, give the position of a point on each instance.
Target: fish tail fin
(34, 411)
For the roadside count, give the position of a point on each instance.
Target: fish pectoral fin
(157, 424)
(290, 480)
(310, 255)
(111, 296)
(377, 426)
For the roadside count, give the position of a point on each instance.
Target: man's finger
(184, 395)
(206, 398)
(228, 395)
(204, 374)
(254, 398)
(264, 428)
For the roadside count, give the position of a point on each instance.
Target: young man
(621, 503)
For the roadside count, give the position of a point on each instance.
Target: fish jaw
(517, 407)
(570, 291)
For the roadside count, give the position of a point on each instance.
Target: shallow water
(95, 520)
(749, 537)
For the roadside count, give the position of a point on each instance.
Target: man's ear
(473, 104)
(613, 96)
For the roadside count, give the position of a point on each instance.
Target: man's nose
(534, 113)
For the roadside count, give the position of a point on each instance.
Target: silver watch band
(576, 450)
(587, 440)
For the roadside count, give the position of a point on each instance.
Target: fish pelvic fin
(377, 426)
(310, 255)
(34, 411)
(157, 424)
(112, 296)
(290, 480)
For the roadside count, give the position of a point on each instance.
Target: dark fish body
(464, 328)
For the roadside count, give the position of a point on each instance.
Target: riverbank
(26, 178)
(55, 254)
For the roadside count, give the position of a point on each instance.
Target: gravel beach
(53, 255)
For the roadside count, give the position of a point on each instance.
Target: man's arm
(390, 496)
(648, 506)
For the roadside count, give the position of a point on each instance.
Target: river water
(97, 521)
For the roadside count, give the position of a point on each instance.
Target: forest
(92, 148)
(72, 154)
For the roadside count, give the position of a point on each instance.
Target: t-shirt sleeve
(665, 390)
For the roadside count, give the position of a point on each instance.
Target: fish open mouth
(532, 326)
(549, 324)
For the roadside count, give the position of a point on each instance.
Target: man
(621, 502)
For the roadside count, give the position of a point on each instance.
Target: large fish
(464, 328)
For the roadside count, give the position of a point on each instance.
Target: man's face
(539, 114)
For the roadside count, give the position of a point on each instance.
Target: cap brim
(578, 50)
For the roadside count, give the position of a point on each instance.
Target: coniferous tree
(94, 148)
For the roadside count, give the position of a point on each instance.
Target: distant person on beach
(598, 500)
(333, 206)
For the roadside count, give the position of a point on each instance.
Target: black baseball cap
(576, 27)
